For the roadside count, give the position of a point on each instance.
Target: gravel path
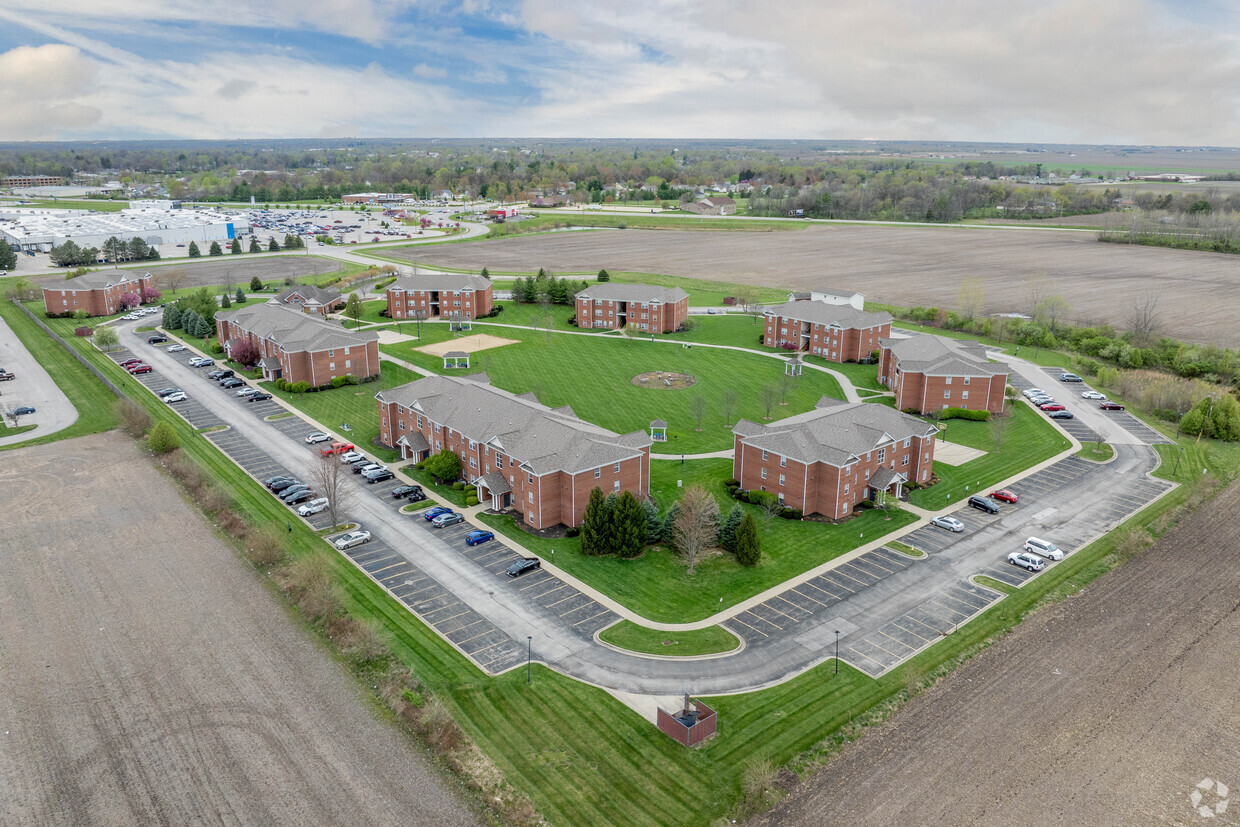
(150, 678)
(1109, 708)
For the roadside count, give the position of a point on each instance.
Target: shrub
(281, 384)
(163, 439)
(458, 486)
(748, 546)
(732, 483)
(471, 500)
(573, 531)
(134, 420)
(469, 489)
(339, 382)
(265, 546)
(217, 348)
(300, 387)
(963, 413)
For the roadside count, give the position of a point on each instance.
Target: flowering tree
(150, 294)
(130, 300)
(244, 352)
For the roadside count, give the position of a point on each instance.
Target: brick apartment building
(837, 333)
(98, 293)
(929, 373)
(829, 460)
(446, 296)
(611, 305)
(310, 299)
(522, 455)
(300, 347)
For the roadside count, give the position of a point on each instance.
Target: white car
(1093, 395)
(949, 523)
(312, 507)
(1032, 391)
(176, 348)
(353, 538)
(352, 456)
(130, 317)
(179, 396)
(247, 391)
(317, 436)
(1026, 561)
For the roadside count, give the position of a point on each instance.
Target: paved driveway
(32, 386)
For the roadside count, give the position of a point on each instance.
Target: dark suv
(220, 374)
(989, 506)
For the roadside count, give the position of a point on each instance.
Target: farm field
(1150, 637)
(906, 266)
(230, 269)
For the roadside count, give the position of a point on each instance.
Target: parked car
(1032, 391)
(175, 348)
(523, 565)
(175, 397)
(1061, 415)
(134, 370)
(352, 456)
(284, 484)
(378, 475)
(22, 410)
(982, 504)
(1045, 548)
(949, 523)
(353, 538)
(312, 507)
(1093, 395)
(432, 513)
(402, 491)
(365, 467)
(219, 373)
(258, 396)
(416, 496)
(167, 392)
(1026, 561)
(1052, 406)
(1069, 377)
(300, 497)
(1111, 406)
(1004, 495)
(247, 391)
(292, 491)
(6, 375)
(156, 339)
(128, 363)
(336, 448)
(201, 362)
(444, 520)
(473, 538)
(317, 436)
(270, 481)
(232, 382)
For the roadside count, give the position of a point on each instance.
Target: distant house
(447, 296)
(310, 299)
(831, 459)
(837, 333)
(929, 373)
(549, 201)
(299, 347)
(829, 296)
(98, 293)
(539, 461)
(714, 205)
(612, 305)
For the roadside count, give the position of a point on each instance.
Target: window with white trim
(531, 496)
(616, 486)
(947, 394)
(616, 468)
(473, 462)
(964, 394)
(908, 440)
(947, 381)
(966, 380)
(781, 479)
(904, 460)
(598, 472)
(882, 453)
(845, 488)
(764, 455)
(763, 473)
(783, 462)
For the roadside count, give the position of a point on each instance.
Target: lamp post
(529, 656)
(837, 651)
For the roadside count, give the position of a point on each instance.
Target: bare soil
(230, 269)
(150, 678)
(907, 266)
(1108, 708)
(466, 344)
(664, 380)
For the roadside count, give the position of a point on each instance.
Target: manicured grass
(5, 430)
(370, 314)
(92, 399)
(443, 492)
(658, 586)
(594, 375)
(861, 376)
(418, 506)
(532, 315)
(1028, 440)
(702, 292)
(733, 330)
(709, 641)
(84, 204)
(352, 404)
(1097, 452)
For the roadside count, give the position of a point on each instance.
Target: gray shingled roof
(96, 279)
(441, 282)
(830, 314)
(293, 330)
(837, 434)
(542, 439)
(616, 292)
(415, 441)
(495, 483)
(318, 295)
(940, 356)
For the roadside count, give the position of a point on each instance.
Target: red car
(1052, 406)
(1111, 406)
(139, 368)
(130, 363)
(336, 448)
(1004, 496)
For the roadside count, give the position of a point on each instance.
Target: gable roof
(843, 315)
(293, 330)
(617, 292)
(941, 356)
(97, 280)
(543, 440)
(310, 293)
(718, 201)
(441, 281)
(835, 434)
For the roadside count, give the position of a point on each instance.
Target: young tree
(603, 275)
(328, 477)
(172, 279)
(485, 273)
(225, 300)
(696, 526)
(444, 466)
(106, 338)
(353, 308)
(628, 526)
(113, 249)
(235, 247)
(194, 252)
(727, 402)
(245, 352)
(215, 249)
(254, 248)
(8, 256)
(972, 297)
(256, 284)
(748, 546)
(727, 531)
(240, 296)
(697, 408)
(999, 425)
(172, 317)
(654, 523)
(163, 439)
(272, 247)
(596, 525)
(770, 393)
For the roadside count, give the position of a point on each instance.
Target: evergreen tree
(272, 247)
(727, 534)
(748, 547)
(628, 526)
(240, 295)
(654, 523)
(486, 274)
(8, 256)
(235, 247)
(531, 290)
(669, 521)
(215, 249)
(603, 275)
(153, 255)
(595, 525)
(254, 248)
(225, 301)
(188, 317)
(194, 252)
(256, 284)
(172, 317)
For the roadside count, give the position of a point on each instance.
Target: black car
(156, 339)
(523, 565)
(379, 475)
(405, 490)
(1060, 415)
(300, 497)
(258, 397)
(416, 497)
(284, 484)
(219, 373)
(270, 481)
(359, 465)
(231, 382)
(166, 392)
(293, 491)
(987, 505)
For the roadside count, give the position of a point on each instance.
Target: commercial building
(828, 295)
(32, 181)
(540, 462)
(714, 205)
(39, 230)
(612, 305)
(831, 459)
(448, 296)
(837, 333)
(299, 347)
(929, 373)
(98, 293)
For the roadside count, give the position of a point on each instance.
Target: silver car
(353, 538)
(1026, 561)
(949, 523)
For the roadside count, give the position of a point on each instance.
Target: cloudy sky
(1072, 71)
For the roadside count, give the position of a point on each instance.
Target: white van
(1044, 548)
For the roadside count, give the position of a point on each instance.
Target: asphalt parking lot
(1081, 431)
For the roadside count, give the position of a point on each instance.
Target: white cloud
(43, 92)
(422, 70)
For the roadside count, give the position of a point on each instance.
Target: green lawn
(6, 430)
(861, 376)
(1096, 452)
(702, 292)
(709, 641)
(99, 205)
(658, 586)
(594, 375)
(370, 313)
(1030, 438)
(352, 404)
(444, 492)
(734, 330)
(532, 315)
